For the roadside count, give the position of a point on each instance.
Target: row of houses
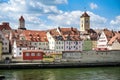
(56, 43)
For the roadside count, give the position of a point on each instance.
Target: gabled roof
(5, 26)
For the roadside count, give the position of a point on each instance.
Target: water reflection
(63, 74)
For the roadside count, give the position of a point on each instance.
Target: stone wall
(100, 56)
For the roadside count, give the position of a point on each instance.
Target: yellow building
(0, 50)
(84, 22)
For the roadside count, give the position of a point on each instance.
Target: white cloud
(32, 10)
(115, 24)
(93, 6)
(73, 19)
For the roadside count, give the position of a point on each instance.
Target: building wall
(59, 45)
(73, 46)
(0, 50)
(5, 45)
(102, 41)
(32, 55)
(51, 41)
(17, 52)
(84, 23)
(87, 45)
(114, 46)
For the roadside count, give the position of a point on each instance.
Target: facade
(32, 54)
(19, 46)
(64, 39)
(114, 43)
(5, 43)
(102, 41)
(108, 40)
(38, 39)
(84, 22)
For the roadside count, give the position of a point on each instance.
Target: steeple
(84, 22)
(22, 23)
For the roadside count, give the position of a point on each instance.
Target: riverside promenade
(57, 65)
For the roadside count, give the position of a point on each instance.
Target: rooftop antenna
(85, 9)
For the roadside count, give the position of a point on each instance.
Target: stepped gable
(35, 36)
(5, 26)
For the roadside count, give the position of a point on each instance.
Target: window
(20, 48)
(5, 43)
(38, 54)
(5, 48)
(39, 43)
(27, 54)
(20, 53)
(32, 54)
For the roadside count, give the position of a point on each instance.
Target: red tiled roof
(66, 34)
(35, 36)
(5, 26)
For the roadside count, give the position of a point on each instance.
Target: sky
(48, 14)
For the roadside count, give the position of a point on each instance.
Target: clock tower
(21, 23)
(84, 22)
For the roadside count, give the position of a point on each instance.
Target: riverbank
(56, 65)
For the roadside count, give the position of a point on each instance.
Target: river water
(99, 73)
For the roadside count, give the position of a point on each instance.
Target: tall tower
(84, 22)
(22, 23)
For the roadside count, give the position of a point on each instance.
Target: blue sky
(47, 14)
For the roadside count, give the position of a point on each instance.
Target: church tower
(22, 23)
(84, 22)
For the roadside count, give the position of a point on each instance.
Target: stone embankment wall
(100, 56)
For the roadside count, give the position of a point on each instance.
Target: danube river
(99, 73)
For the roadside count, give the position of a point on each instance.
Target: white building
(64, 39)
(102, 41)
(19, 46)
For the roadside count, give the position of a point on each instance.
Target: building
(32, 55)
(108, 40)
(64, 39)
(5, 26)
(5, 43)
(22, 23)
(19, 46)
(84, 22)
(114, 43)
(38, 39)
